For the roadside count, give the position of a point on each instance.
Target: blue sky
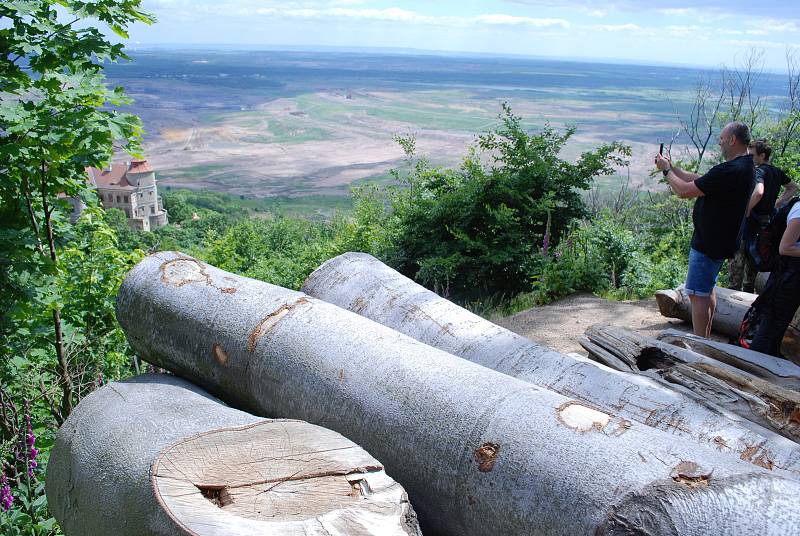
(710, 33)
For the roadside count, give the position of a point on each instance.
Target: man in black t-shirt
(722, 195)
(763, 202)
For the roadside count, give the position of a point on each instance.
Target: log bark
(773, 369)
(757, 400)
(731, 308)
(155, 455)
(479, 452)
(364, 285)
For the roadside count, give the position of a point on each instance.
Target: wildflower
(6, 499)
(558, 254)
(30, 442)
(546, 243)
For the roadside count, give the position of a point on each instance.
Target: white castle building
(131, 187)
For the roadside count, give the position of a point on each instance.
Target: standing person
(763, 202)
(722, 195)
(781, 297)
(772, 178)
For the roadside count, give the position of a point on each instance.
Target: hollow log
(364, 285)
(756, 399)
(155, 455)
(479, 452)
(773, 369)
(731, 308)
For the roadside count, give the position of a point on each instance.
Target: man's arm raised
(686, 176)
(681, 182)
(683, 188)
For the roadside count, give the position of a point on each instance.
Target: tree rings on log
(275, 477)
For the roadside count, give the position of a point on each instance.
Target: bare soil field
(327, 141)
(265, 122)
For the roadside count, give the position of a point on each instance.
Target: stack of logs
(488, 432)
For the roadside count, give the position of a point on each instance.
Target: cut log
(773, 369)
(155, 455)
(364, 285)
(758, 400)
(731, 308)
(479, 452)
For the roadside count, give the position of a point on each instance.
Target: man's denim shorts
(702, 276)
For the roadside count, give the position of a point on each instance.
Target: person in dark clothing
(763, 202)
(722, 195)
(781, 297)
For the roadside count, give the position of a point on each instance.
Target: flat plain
(258, 123)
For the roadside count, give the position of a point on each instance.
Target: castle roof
(115, 176)
(140, 166)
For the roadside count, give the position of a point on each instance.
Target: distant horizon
(212, 47)
(671, 32)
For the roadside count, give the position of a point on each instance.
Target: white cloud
(346, 2)
(391, 14)
(526, 21)
(677, 11)
(781, 26)
(616, 27)
(759, 44)
(684, 31)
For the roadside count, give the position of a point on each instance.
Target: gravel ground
(561, 324)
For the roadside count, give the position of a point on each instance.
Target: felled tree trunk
(731, 308)
(364, 285)
(773, 369)
(155, 455)
(755, 399)
(479, 452)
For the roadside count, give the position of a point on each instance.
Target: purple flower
(6, 499)
(546, 243)
(558, 254)
(30, 441)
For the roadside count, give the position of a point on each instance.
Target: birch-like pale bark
(155, 455)
(479, 452)
(363, 284)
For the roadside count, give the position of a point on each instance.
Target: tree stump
(154, 455)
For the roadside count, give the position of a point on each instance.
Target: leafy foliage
(477, 229)
(57, 278)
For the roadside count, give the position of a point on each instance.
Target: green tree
(57, 118)
(478, 229)
(59, 337)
